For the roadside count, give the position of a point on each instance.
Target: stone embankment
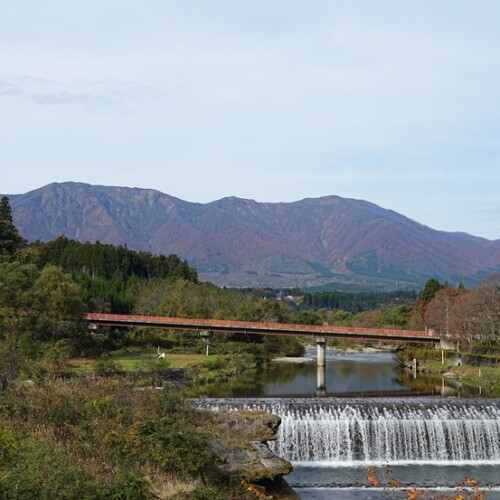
(481, 359)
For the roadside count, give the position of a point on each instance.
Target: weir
(344, 431)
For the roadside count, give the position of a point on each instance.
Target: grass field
(130, 361)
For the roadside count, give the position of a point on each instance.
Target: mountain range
(240, 242)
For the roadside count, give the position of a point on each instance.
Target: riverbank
(310, 350)
(310, 353)
(99, 437)
(460, 367)
(292, 360)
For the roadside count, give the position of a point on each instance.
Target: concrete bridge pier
(321, 384)
(321, 345)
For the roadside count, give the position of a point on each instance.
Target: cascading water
(394, 432)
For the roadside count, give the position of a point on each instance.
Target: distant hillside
(238, 242)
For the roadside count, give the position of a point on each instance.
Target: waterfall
(391, 431)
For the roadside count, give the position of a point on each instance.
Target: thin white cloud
(92, 94)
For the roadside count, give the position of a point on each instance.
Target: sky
(393, 102)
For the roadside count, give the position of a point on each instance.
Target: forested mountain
(240, 242)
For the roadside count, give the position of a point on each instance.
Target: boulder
(240, 441)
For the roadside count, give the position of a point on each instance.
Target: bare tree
(488, 309)
(472, 315)
(463, 317)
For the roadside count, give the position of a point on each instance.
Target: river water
(416, 431)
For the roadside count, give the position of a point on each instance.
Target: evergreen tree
(432, 286)
(10, 239)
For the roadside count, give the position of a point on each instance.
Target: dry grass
(164, 486)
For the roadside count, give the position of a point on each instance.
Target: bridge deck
(249, 327)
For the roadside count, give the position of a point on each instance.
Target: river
(371, 414)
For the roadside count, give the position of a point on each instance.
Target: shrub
(176, 447)
(105, 366)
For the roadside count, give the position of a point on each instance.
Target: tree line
(352, 302)
(355, 302)
(472, 316)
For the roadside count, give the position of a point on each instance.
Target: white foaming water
(356, 433)
(392, 433)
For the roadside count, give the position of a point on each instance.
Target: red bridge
(248, 327)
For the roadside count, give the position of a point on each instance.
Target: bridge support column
(321, 384)
(321, 345)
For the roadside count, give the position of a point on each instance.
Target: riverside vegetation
(77, 416)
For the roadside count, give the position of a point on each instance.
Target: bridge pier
(321, 346)
(320, 382)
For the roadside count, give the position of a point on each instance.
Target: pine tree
(10, 239)
(432, 286)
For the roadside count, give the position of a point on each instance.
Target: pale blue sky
(395, 102)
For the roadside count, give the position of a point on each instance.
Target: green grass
(130, 361)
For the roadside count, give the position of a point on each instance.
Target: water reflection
(440, 386)
(358, 373)
(320, 382)
(343, 373)
(247, 385)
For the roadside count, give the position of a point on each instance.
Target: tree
(440, 311)
(432, 286)
(462, 321)
(56, 294)
(10, 239)
(487, 301)
(16, 282)
(471, 315)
